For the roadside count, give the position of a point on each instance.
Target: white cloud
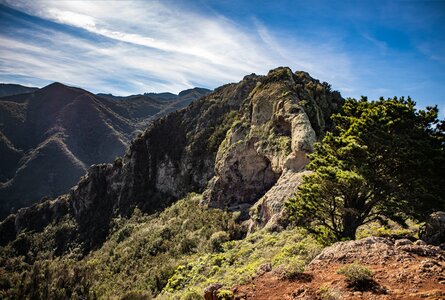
(150, 46)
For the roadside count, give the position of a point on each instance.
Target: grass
(239, 261)
(139, 257)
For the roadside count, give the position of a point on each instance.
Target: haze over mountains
(49, 136)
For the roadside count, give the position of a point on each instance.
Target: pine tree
(383, 160)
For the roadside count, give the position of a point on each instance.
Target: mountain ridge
(69, 123)
(10, 89)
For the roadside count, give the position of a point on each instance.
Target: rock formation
(244, 144)
(262, 159)
(433, 231)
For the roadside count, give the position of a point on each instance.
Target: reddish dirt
(414, 277)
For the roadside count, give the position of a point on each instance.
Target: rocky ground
(401, 270)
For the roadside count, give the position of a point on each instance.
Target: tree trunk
(349, 226)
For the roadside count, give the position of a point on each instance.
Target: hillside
(50, 136)
(195, 209)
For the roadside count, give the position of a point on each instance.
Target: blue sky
(373, 48)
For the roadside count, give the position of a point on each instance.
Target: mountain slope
(65, 129)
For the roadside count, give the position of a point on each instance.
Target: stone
(372, 250)
(233, 145)
(211, 291)
(263, 157)
(264, 268)
(433, 231)
(419, 243)
(402, 242)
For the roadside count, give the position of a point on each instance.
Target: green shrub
(136, 295)
(224, 294)
(356, 274)
(326, 293)
(294, 268)
(217, 239)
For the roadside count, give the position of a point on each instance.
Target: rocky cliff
(262, 159)
(244, 146)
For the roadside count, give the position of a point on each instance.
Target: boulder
(374, 251)
(433, 232)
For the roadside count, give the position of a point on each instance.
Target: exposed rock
(268, 211)
(211, 291)
(263, 157)
(170, 159)
(49, 136)
(374, 250)
(402, 242)
(264, 268)
(433, 232)
(420, 243)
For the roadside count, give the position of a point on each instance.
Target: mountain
(137, 107)
(7, 89)
(49, 137)
(234, 145)
(194, 209)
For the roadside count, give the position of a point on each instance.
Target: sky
(372, 48)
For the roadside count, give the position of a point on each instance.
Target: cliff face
(262, 159)
(244, 145)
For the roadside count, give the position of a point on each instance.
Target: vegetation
(172, 255)
(356, 275)
(326, 293)
(137, 260)
(378, 168)
(286, 252)
(383, 161)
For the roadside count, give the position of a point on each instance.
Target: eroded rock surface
(262, 159)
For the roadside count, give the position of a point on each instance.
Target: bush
(356, 275)
(217, 239)
(326, 293)
(224, 294)
(136, 295)
(294, 268)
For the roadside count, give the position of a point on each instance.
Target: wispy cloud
(381, 45)
(127, 47)
(149, 46)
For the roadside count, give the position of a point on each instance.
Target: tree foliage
(383, 160)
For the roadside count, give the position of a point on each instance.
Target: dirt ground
(399, 272)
